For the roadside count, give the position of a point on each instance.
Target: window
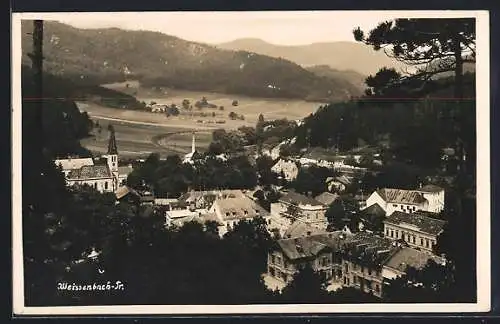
(397, 234)
(227, 214)
(346, 268)
(414, 208)
(273, 258)
(95, 185)
(426, 243)
(387, 231)
(377, 288)
(106, 185)
(369, 271)
(413, 239)
(421, 241)
(394, 205)
(392, 233)
(246, 212)
(271, 272)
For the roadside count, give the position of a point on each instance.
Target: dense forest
(101, 56)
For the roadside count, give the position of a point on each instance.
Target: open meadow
(140, 133)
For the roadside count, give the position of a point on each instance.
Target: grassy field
(140, 133)
(249, 107)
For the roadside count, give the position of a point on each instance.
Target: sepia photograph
(250, 162)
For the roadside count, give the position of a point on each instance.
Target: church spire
(112, 149)
(193, 144)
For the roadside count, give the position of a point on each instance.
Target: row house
(416, 229)
(363, 260)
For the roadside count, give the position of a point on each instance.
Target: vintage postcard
(279, 162)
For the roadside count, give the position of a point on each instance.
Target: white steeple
(193, 144)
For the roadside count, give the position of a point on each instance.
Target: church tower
(112, 156)
(193, 144)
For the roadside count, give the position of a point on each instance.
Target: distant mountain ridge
(337, 55)
(155, 59)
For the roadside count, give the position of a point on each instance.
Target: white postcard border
(483, 261)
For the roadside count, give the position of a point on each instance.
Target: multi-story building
(428, 198)
(363, 260)
(294, 207)
(292, 254)
(231, 210)
(416, 229)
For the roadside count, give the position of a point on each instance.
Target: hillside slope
(338, 55)
(353, 77)
(156, 59)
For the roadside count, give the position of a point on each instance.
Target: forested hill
(156, 59)
(63, 123)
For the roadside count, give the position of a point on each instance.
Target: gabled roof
(295, 198)
(401, 196)
(410, 257)
(424, 223)
(124, 190)
(76, 163)
(238, 208)
(326, 198)
(89, 172)
(374, 210)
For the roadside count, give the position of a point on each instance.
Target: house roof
(302, 247)
(71, 164)
(123, 191)
(424, 223)
(374, 210)
(90, 172)
(369, 248)
(295, 198)
(326, 198)
(203, 218)
(238, 208)
(345, 180)
(298, 229)
(334, 240)
(312, 245)
(410, 257)
(401, 196)
(431, 188)
(165, 201)
(182, 213)
(194, 195)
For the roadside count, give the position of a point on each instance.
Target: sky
(278, 27)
